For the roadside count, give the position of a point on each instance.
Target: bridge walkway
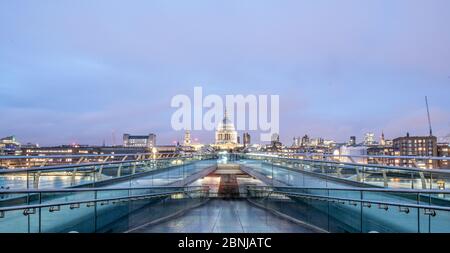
(226, 216)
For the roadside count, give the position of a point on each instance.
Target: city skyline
(78, 74)
(243, 123)
(117, 140)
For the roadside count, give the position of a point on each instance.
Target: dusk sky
(75, 71)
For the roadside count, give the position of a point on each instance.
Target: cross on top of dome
(226, 123)
(226, 120)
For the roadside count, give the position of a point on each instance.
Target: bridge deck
(226, 216)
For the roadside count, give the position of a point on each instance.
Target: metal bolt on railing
(73, 206)
(54, 209)
(385, 207)
(104, 203)
(29, 211)
(353, 203)
(403, 209)
(430, 212)
(368, 205)
(90, 204)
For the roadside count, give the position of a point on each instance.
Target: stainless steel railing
(377, 175)
(93, 210)
(360, 210)
(70, 175)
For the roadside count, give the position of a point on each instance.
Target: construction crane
(429, 119)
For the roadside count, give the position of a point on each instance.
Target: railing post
(385, 180)
(422, 178)
(361, 204)
(119, 170)
(40, 215)
(37, 177)
(272, 173)
(101, 166)
(95, 211)
(184, 173)
(328, 211)
(28, 180)
(94, 174)
(133, 170)
(431, 180)
(363, 174)
(358, 175)
(418, 213)
(80, 160)
(338, 171)
(44, 163)
(72, 179)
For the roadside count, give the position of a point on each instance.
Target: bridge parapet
(364, 174)
(359, 210)
(97, 173)
(90, 210)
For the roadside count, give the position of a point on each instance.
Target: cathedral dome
(226, 135)
(226, 124)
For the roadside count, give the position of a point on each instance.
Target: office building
(305, 141)
(9, 145)
(144, 141)
(444, 151)
(369, 139)
(352, 141)
(416, 146)
(246, 139)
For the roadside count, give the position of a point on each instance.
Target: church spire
(382, 140)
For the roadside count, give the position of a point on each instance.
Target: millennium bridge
(231, 192)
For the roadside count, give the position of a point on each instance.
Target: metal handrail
(443, 171)
(14, 157)
(69, 166)
(24, 191)
(438, 158)
(12, 208)
(441, 208)
(66, 166)
(389, 190)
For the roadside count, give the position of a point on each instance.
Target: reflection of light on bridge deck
(212, 182)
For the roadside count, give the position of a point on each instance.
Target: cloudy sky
(77, 71)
